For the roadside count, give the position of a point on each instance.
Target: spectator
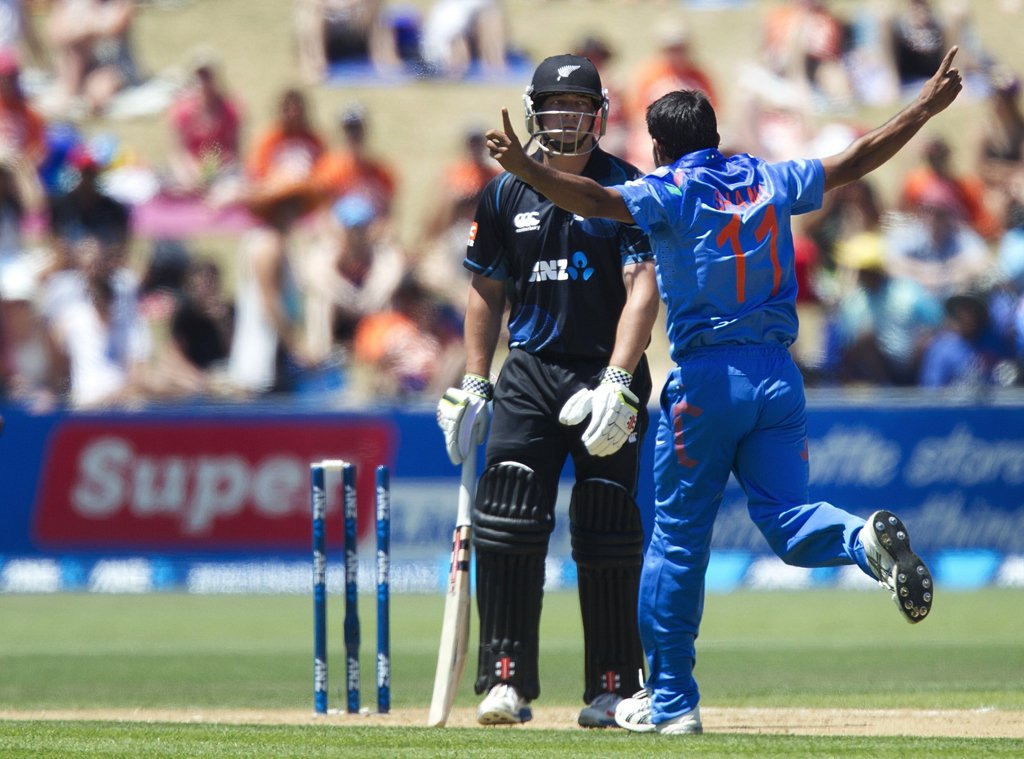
(460, 33)
(91, 303)
(93, 51)
(22, 130)
(804, 43)
(201, 328)
(774, 116)
(353, 169)
(1001, 146)
(936, 177)
(917, 41)
(883, 324)
(205, 122)
(13, 208)
(966, 351)
(285, 152)
(1005, 299)
(845, 212)
(414, 348)
(868, 57)
(164, 275)
(439, 267)
(673, 67)
(162, 286)
(934, 246)
(95, 326)
(25, 367)
(343, 31)
(456, 195)
(351, 272)
(267, 347)
(86, 210)
(18, 33)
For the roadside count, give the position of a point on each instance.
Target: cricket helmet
(565, 132)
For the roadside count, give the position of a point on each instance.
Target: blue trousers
(727, 409)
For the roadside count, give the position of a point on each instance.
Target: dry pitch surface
(978, 723)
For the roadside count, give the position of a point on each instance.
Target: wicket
(318, 498)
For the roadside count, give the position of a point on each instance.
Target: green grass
(756, 649)
(808, 649)
(65, 739)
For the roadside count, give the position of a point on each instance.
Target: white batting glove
(463, 414)
(614, 410)
(577, 408)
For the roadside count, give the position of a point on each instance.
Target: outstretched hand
(505, 147)
(942, 89)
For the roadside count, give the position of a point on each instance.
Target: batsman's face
(566, 117)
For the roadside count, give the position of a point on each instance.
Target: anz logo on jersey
(550, 271)
(559, 270)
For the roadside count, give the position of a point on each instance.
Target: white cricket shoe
(687, 723)
(896, 567)
(601, 711)
(635, 714)
(503, 706)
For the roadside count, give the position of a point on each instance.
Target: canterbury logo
(527, 222)
(564, 71)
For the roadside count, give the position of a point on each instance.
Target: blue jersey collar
(699, 158)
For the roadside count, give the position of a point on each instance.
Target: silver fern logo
(564, 71)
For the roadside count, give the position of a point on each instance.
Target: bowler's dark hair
(682, 122)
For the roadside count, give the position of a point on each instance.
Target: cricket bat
(451, 655)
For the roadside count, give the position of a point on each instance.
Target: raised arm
(577, 194)
(876, 147)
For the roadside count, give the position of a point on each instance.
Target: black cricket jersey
(564, 272)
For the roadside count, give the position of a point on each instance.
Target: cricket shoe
(601, 711)
(895, 566)
(503, 706)
(635, 714)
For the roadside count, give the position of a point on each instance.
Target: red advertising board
(198, 485)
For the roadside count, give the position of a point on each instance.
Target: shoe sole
(589, 722)
(504, 718)
(690, 729)
(913, 581)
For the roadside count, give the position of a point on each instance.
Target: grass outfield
(817, 650)
(65, 740)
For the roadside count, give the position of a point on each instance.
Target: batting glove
(614, 410)
(463, 414)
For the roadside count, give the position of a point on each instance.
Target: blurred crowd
(922, 285)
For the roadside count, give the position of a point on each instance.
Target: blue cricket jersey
(723, 247)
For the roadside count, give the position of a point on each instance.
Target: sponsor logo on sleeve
(528, 221)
